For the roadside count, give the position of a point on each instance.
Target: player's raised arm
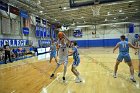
(66, 38)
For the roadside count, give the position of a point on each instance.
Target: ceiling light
(114, 18)
(70, 9)
(38, 2)
(82, 17)
(120, 10)
(108, 13)
(136, 9)
(131, 1)
(64, 8)
(116, 23)
(84, 26)
(41, 11)
(126, 17)
(122, 13)
(105, 19)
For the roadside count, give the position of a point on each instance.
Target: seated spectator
(1, 55)
(15, 51)
(32, 50)
(13, 56)
(20, 52)
(23, 51)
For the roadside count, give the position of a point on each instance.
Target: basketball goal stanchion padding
(96, 8)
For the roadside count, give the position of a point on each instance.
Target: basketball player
(63, 55)
(124, 54)
(53, 51)
(138, 45)
(75, 62)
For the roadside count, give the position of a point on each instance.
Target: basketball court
(96, 26)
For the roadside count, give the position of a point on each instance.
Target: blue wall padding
(98, 43)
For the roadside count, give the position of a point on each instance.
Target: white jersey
(63, 50)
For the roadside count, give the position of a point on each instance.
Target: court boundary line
(55, 79)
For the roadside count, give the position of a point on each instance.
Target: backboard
(80, 3)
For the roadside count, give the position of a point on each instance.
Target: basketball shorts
(52, 54)
(124, 56)
(76, 62)
(63, 60)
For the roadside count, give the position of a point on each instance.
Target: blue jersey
(53, 48)
(123, 47)
(75, 54)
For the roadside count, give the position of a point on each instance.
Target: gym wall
(106, 35)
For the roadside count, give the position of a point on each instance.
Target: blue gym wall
(98, 43)
(106, 36)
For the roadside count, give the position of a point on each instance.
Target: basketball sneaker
(63, 78)
(78, 80)
(115, 76)
(139, 75)
(52, 75)
(132, 79)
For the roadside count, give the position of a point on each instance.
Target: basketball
(60, 35)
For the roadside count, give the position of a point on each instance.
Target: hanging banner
(25, 30)
(14, 10)
(131, 28)
(41, 32)
(45, 32)
(24, 14)
(3, 6)
(37, 31)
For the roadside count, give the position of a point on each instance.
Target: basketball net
(96, 8)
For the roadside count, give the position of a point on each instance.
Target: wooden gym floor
(32, 75)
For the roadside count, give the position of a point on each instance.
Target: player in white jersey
(138, 45)
(63, 55)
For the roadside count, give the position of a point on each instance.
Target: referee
(7, 52)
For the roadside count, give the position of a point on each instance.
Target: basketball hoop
(96, 8)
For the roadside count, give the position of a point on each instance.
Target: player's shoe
(63, 78)
(132, 79)
(139, 75)
(52, 75)
(114, 75)
(78, 80)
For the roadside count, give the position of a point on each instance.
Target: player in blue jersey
(75, 62)
(138, 45)
(124, 54)
(53, 51)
